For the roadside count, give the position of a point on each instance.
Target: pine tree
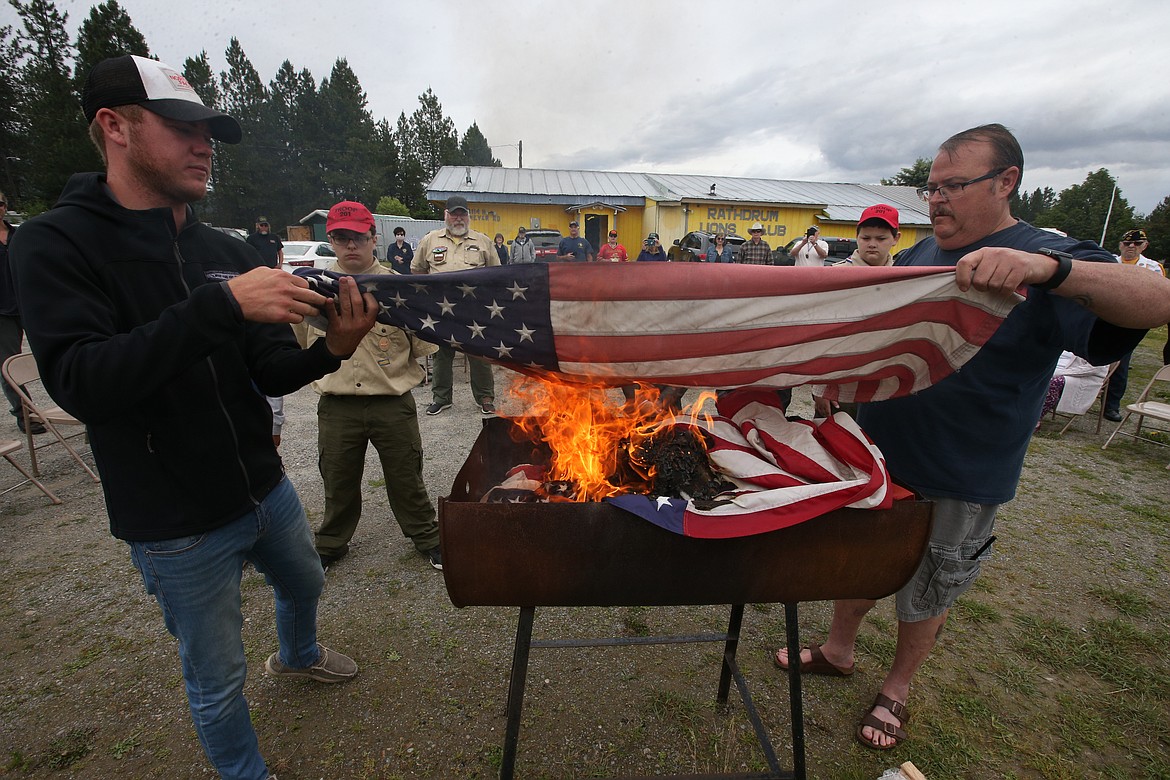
(56, 143)
(434, 133)
(106, 32)
(13, 123)
(913, 176)
(475, 148)
(1157, 227)
(245, 173)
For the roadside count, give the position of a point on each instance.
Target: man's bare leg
(915, 641)
(838, 648)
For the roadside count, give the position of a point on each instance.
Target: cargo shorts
(958, 545)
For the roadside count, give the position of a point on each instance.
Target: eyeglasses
(952, 191)
(756, 231)
(358, 239)
(1123, 243)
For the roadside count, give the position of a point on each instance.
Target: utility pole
(520, 146)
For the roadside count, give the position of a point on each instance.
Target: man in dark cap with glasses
(961, 443)
(1131, 246)
(160, 334)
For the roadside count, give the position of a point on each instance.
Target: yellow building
(672, 205)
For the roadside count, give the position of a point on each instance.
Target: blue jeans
(196, 580)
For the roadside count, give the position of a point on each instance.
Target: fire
(596, 445)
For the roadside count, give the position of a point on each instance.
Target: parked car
(839, 250)
(307, 254)
(233, 232)
(692, 248)
(545, 242)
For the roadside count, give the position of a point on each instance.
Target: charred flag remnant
(868, 334)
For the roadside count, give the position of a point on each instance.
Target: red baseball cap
(887, 214)
(348, 215)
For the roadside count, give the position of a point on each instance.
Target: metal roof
(568, 187)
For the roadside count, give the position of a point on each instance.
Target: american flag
(867, 333)
(783, 472)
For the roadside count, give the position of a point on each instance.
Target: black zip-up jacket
(136, 335)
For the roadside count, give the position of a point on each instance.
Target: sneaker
(488, 408)
(331, 667)
(437, 407)
(435, 556)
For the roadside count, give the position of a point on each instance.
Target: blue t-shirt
(578, 246)
(651, 257)
(966, 436)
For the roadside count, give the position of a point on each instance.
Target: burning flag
(868, 333)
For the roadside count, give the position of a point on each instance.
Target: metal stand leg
(516, 690)
(795, 699)
(729, 650)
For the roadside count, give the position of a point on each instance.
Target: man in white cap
(161, 334)
(755, 251)
(456, 247)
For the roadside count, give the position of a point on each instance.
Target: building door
(596, 230)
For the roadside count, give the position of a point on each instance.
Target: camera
(812, 231)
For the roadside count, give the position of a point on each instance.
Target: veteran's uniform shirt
(439, 252)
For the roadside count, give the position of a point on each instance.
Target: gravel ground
(91, 688)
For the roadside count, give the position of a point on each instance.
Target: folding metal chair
(21, 373)
(9, 446)
(1145, 407)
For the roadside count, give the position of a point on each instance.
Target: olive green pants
(345, 424)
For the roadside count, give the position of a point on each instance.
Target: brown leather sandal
(819, 664)
(898, 710)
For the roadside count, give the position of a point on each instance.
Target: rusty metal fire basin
(593, 554)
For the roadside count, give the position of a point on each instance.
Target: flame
(595, 443)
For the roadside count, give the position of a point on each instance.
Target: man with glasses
(1132, 244)
(755, 251)
(961, 443)
(268, 244)
(456, 247)
(156, 330)
(368, 401)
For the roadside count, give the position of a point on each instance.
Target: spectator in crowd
(720, 251)
(1133, 243)
(267, 243)
(651, 250)
(961, 443)
(811, 249)
(522, 250)
(456, 247)
(400, 254)
(161, 359)
(755, 251)
(501, 248)
(612, 251)
(11, 333)
(368, 401)
(574, 247)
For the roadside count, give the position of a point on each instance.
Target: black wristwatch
(1063, 268)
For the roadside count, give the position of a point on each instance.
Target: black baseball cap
(456, 202)
(157, 87)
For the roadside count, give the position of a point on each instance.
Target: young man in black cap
(456, 247)
(156, 331)
(1131, 246)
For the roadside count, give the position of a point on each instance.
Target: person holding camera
(651, 250)
(812, 249)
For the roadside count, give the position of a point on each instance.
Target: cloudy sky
(829, 91)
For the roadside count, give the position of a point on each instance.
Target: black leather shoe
(35, 427)
(1112, 416)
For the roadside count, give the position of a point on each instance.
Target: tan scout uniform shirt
(439, 252)
(385, 362)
